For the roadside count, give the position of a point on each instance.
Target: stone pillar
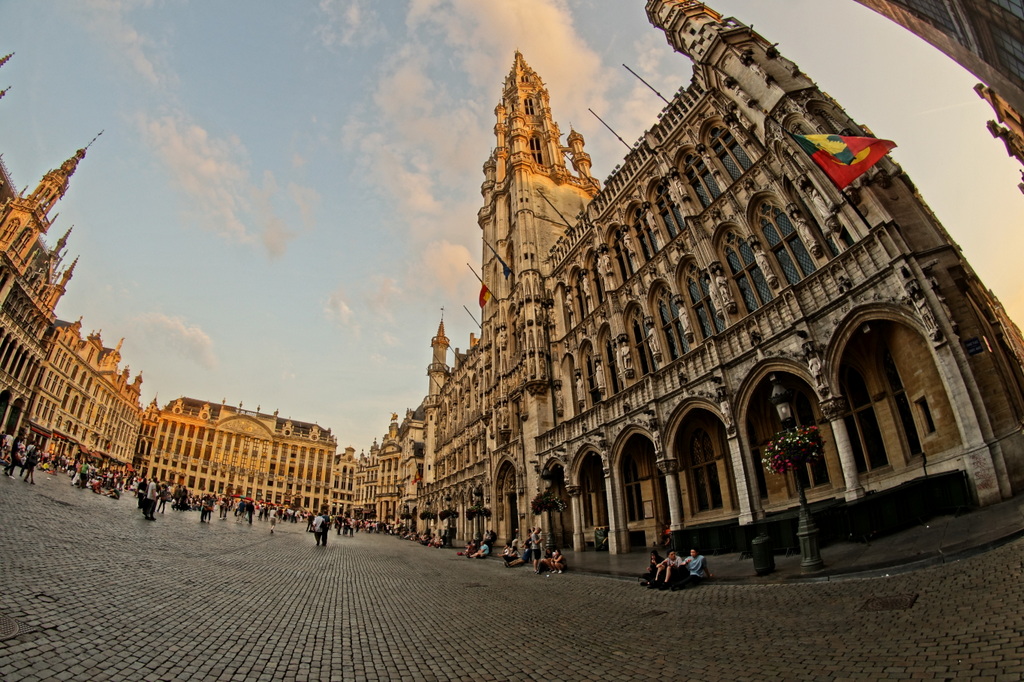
(579, 541)
(670, 469)
(743, 489)
(834, 409)
(618, 533)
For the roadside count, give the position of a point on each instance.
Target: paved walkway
(940, 540)
(91, 591)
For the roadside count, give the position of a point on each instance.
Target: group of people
(674, 572)
(27, 456)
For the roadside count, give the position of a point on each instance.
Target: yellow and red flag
(485, 294)
(844, 159)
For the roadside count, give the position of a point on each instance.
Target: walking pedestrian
(31, 460)
(273, 520)
(151, 494)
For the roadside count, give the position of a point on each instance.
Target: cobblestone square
(94, 592)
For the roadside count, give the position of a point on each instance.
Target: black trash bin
(763, 553)
(601, 539)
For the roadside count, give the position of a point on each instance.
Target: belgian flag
(844, 159)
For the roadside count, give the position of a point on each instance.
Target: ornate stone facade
(630, 348)
(85, 402)
(232, 451)
(33, 278)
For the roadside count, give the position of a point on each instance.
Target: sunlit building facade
(639, 327)
(226, 450)
(86, 403)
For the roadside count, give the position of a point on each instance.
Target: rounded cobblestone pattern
(100, 594)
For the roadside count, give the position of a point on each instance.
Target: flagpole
(474, 273)
(473, 318)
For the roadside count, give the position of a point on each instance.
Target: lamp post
(449, 529)
(807, 531)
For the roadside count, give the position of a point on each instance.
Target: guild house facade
(638, 328)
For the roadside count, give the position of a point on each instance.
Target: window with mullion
(785, 244)
(668, 211)
(747, 274)
(701, 180)
(640, 343)
(729, 152)
(671, 326)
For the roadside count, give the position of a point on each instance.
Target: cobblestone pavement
(97, 593)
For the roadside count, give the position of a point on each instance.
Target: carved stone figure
(818, 202)
(599, 376)
(604, 265)
(766, 269)
(804, 230)
(625, 359)
(654, 343)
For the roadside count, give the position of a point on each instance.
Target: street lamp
(449, 530)
(807, 531)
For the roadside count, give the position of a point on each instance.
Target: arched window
(581, 298)
(528, 106)
(592, 380)
(861, 422)
(707, 491)
(729, 152)
(633, 489)
(811, 474)
(701, 179)
(643, 352)
(785, 243)
(699, 287)
(622, 257)
(899, 396)
(671, 327)
(612, 365)
(648, 239)
(668, 211)
(536, 150)
(746, 273)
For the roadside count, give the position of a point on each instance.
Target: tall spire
(6, 58)
(54, 184)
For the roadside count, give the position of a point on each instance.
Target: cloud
(443, 265)
(337, 309)
(174, 334)
(213, 174)
(347, 23)
(383, 298)
(107, 19)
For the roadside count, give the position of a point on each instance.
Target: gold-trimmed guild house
(85, 402)
(226, 450)
(627, 360)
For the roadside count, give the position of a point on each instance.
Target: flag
(485, 294)
(504, 266)
(844, 159)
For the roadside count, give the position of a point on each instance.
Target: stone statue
(653, 342)
(599, 376)
(804, 230)
(604, 265)
(625, 358)
(766, 269)
(630, 246)
(822, 208)
(581, 395)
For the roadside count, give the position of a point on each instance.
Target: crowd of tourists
(28, 457)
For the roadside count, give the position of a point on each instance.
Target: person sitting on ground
(669, 571)
(698, 570)
(471, 548)
(652, 569)
(482, 553)
(554, 562)
(509, 554)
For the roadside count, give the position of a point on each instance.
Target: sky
(284, 195)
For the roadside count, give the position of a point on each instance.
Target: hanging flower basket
(448, 514)
(547, 502)
(428, 515)
(792, 449)
(405, 515)
(478, 510)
